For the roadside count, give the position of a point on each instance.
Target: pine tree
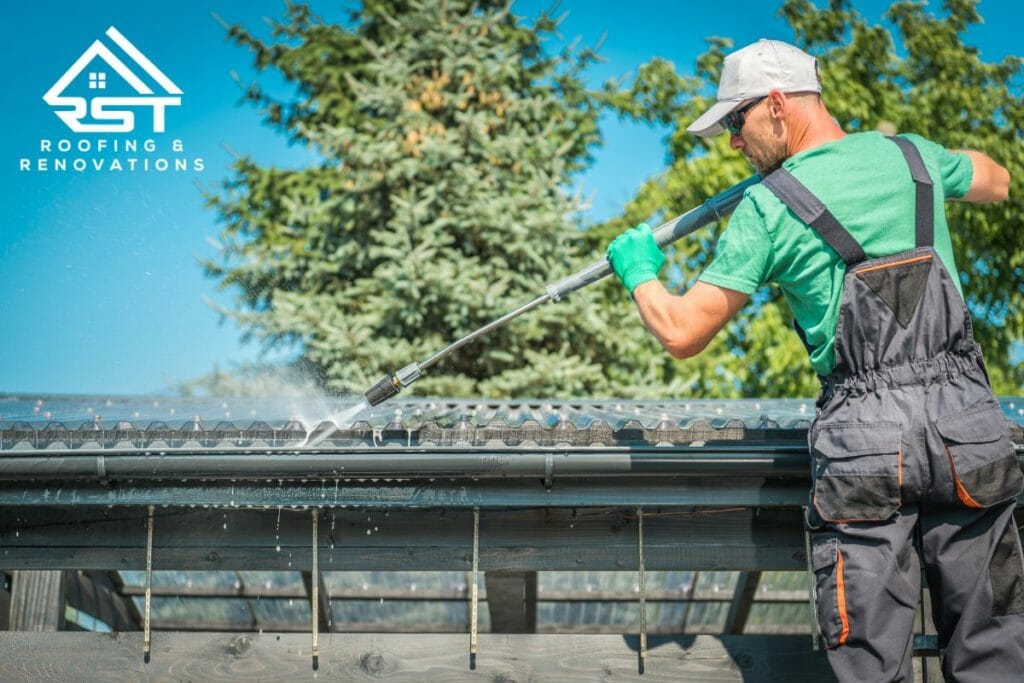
(448, 137)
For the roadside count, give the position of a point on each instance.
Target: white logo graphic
(112, 109)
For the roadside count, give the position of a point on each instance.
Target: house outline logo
(112, 111)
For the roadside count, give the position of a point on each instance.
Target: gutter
(474, 463)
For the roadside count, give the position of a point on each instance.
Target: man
(910, 455)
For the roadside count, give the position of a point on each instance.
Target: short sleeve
(955, 170)
(743, 257)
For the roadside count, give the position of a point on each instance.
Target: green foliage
(940, 88)
(447, 136)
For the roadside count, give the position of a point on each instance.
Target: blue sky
(102, 292)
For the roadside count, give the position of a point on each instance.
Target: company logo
(111, 114)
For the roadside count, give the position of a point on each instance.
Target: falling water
(323, 431)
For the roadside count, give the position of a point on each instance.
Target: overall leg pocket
(830, 582)
(1006, 573)
(981, 456)
(856, 471)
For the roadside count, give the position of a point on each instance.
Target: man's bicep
(989, 181)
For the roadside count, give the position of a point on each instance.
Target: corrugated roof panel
(61, 423)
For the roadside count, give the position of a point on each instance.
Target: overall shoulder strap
(811, 211)
(924, 214)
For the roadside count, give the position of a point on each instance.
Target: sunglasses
(734, 120)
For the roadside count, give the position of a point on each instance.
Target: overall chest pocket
(856, 473)
(982, 458)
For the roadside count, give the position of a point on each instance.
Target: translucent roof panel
(411, 584)
(219, 613)
(186, 581)
(573, 602)
(422, 616)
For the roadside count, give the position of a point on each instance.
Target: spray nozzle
(390, 385)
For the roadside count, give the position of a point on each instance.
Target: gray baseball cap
(756, 70)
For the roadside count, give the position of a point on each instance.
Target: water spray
(711, 210)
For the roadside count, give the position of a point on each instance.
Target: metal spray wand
(716, 207)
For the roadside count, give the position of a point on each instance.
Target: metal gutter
(465, 463)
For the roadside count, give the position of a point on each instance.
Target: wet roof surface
(46, 422)
(174, 411)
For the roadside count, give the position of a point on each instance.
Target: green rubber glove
(635, 256)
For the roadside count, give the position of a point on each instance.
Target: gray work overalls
(909, 446)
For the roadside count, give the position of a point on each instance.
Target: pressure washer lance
(717, 207)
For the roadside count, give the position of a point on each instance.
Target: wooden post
(742, 599)
(37, 600)
(5, 601)
(512, 601)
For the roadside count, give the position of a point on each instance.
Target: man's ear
(777, 104)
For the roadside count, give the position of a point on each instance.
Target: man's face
(762, 139)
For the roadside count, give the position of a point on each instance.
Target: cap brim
(709, 122)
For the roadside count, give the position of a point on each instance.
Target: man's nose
(735, 140)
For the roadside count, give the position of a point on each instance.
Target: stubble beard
(768, 157)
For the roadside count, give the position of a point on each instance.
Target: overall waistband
(928, 371)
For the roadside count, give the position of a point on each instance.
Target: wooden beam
(512, 601)
(350, 656)
(433, 540)
(742, 599)
(37, 600)
(625, 490)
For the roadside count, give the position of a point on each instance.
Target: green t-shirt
(865, 182)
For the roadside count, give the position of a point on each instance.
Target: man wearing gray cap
(911, 460)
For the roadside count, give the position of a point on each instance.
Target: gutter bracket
(314, 596)
(101, 470)
(474, 590)
(146, 635)
(642, 562)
